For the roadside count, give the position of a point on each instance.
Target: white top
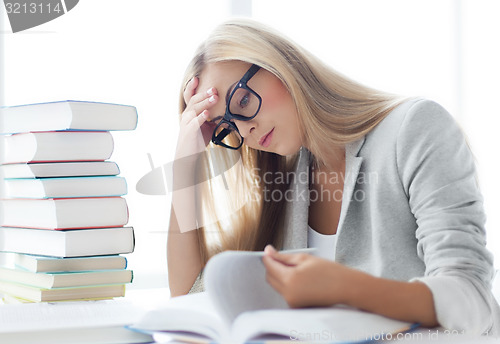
(325, 244)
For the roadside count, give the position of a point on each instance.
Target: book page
(186, 316)
(236, 283)
(325, 324)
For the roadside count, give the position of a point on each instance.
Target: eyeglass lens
(244, 103)
(230, 137)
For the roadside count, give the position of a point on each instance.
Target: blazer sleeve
(437, 171)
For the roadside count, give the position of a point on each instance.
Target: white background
(135, 52)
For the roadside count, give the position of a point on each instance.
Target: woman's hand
(305, 280)
(183, 253)
(195, 131)
(194, 134)
(308, 281)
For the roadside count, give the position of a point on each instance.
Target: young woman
(383, 187)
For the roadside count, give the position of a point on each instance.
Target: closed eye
(244, 100)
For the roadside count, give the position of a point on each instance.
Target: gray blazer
(411, 210)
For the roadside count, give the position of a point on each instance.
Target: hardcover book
(64, 213)
(49, 280)
(68, 187)
(62, 294)
(67, 115)
(56, 146)
(35, 263)
(69, 243)
(59, 169)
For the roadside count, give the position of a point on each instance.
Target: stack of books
(62, 215)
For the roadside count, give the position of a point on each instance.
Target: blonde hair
(333, 111)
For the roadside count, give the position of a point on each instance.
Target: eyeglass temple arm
(223, 134)
(251, 72)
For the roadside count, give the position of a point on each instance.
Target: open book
(89, 322)
(240, 306)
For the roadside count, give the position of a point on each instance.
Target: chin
(280, 150)
(286, 151)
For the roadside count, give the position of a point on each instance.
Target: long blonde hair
(333, 111)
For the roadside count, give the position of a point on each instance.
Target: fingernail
(205, 114)
(269, 249)
(211, 99)
(210, 91)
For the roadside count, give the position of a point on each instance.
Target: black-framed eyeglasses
(243, 104)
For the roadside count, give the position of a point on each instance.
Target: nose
(245, 127)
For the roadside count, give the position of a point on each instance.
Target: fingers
(274, 267)
(275, 271)
(196, 103)
(190, 89)
(290, 259)
(275, 282)
(191, 96)
(202, 117)
(204, 104)
(270, 250)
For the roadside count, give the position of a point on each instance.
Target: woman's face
(275, 128)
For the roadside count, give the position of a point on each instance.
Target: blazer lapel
(353, 165)
(297, 209)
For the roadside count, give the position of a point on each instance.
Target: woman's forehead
(221, 75)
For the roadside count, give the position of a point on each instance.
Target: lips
(265, 140)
